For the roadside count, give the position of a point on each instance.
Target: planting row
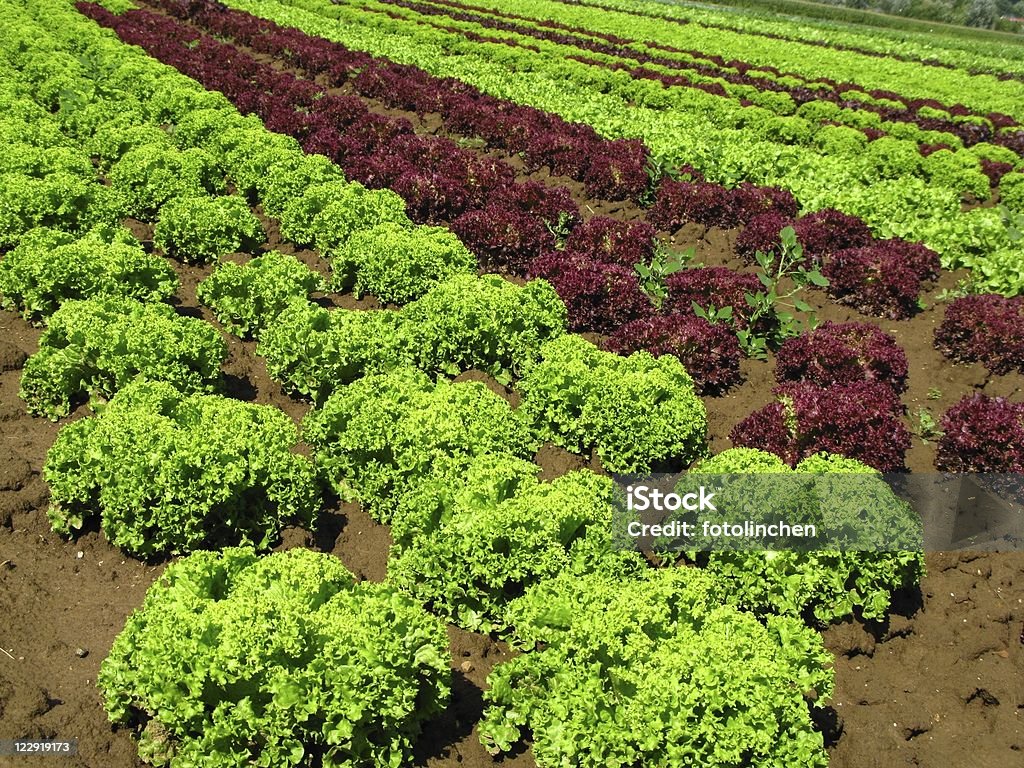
(100, 345)
(934, 49)
(839, 103)
(613, 170)
(839, 385)
(905, 206)
(983, 93)
(593, 273)
(65, 223)
(772, 121)
(768, 114)
(93, 258)
(506, 223)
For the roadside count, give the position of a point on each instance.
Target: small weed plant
(772, 317)
(654, 276)
(925, 425)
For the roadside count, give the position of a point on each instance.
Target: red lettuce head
(503, 239)
(860, 421)
(874, 280)
(611, 241)
(986, 329)
(982, 434)
(709, 352)
(843, 353)
(598, 297)
(711, 286)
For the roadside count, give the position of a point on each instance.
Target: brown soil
(937, 685)
(942, 687)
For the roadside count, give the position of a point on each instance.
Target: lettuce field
(330, 329)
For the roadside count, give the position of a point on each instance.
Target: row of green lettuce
(820, 126)
(996, 53)
(237, 659)
(905, 206)
(87, 153)
(773, 116)
(929, 42)
(983, 93)
(597, 26)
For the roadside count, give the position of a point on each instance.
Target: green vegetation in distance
(984, 19)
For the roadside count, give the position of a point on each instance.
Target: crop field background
(395, 285)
